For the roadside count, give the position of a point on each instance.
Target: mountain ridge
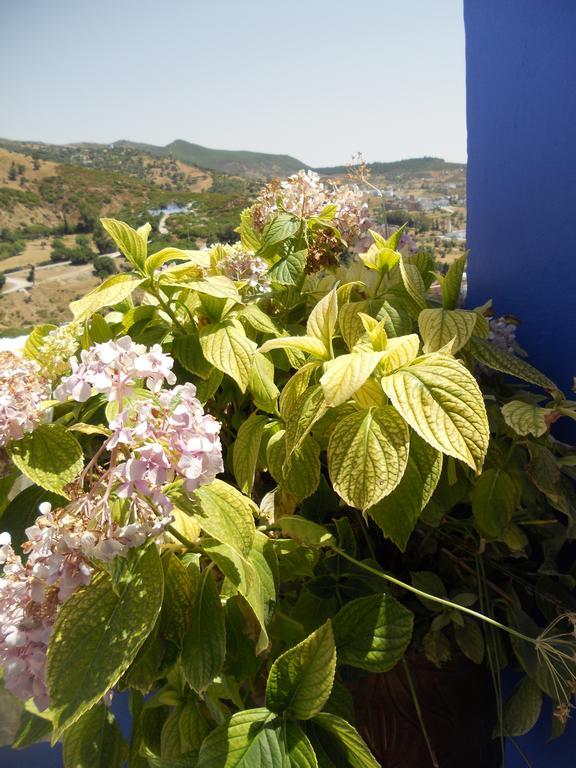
(245, 163)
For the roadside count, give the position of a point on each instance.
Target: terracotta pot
(458, 709)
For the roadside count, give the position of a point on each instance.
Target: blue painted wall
(521, 104)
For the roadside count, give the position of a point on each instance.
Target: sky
(317, 80)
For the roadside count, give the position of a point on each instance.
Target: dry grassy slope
(62, 187)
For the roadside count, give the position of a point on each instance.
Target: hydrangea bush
(258, 472)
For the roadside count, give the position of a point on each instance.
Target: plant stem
(433, 598)
(182, 539)
(414, 695)
(166, 307)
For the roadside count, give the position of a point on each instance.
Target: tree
(36, 164)
(101, 240)
(12, 173)
(104, 266)
(59, 251)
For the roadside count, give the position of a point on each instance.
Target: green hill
(236, 163)
(415, 166)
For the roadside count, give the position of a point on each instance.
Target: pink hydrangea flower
(22, 390)
(113, 368)
(30, 595)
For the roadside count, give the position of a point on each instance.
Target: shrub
(384, 465)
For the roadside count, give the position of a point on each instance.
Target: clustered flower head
(56, 350)
(241, 265)
(502, 333)
(304, 195)
(30, 594)
(113, 368)
(161, 437)
(22, 390)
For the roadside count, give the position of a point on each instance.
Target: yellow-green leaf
(97, 634)
(133, 244)
(367, 455)
(301, 679)
(526, 418)
(322, 319)
(111, 292)
(49, 456)
(246, 450)
(400, 351)
(413, 282)
(442, 402)
(306, 344)
(346, 374)
(439, 326)
(229, 350)
(451, 282)
(398, 513)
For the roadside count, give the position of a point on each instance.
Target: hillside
(176, 158)
(415, 166)
(241, 163)
(40, 192)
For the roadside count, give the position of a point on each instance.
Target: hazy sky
(317, 80)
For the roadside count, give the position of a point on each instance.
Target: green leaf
(251, 576)
(439, 327)
(413, 282)
(306, 344)
(23, 510)
(33, 729)
(49, 456)
(306, 412)
(281, 228)
(94, 741)
(204, 646)
(229, 350)
(219, 286)
(188, 352)
(367, 455)
(398, 513)
(373, 632)
(290, 269)
(131, 243)
(346, 374)
(321, 322)
(161, 257)
(97, 634)
(176, 606)
(442, 402)
(494, 501)
(226, 515)
(249, 237)
(491, 355)
(451, 282)
(301, 679)
(301, 470)
(11, 711)
(295, 388)
(35, 341)
(246, 450)
(522, 709)
(305, 531)
(261, 383)
(526, 418)
(255, 738)
(259, 320)
(399, 352)
(247, 740)
(109, 293)
(470, 640)
(342, 743)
